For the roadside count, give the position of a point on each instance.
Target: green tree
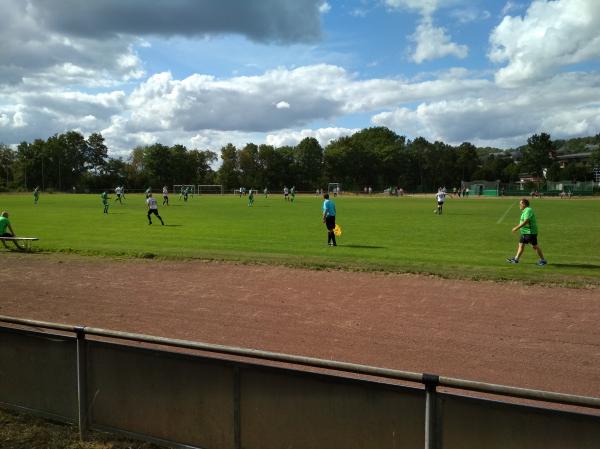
(538, 154)
(228, 173)
(309, 163)
(7, 161)
(467, 161)
(157, 164)
(249, 166)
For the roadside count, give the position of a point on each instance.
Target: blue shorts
(528, 239)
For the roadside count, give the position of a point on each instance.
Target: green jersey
(531, 227)
(3, 224)
(104, 197)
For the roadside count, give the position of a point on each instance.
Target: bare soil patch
(512, 334)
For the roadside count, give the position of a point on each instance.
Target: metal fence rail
(207, 402)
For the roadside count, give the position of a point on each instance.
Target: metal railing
(430, 382)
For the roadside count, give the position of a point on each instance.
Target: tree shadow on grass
(363, 246)
(587, 266)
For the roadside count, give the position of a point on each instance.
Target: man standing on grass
(165, 196)
(440, 198)
(251, 198)
(118, 194)
(529, 232)
(329, 219)
(104, 197)
(153, 209)
(36, 195)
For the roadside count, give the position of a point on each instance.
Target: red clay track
(533, 337)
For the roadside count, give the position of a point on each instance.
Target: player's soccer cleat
(512, 260)
(542, 262)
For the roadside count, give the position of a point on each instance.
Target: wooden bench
(26, 241)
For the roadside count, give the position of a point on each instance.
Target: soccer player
(440, 198)
(118, 194)
(286, 193)
(4, 225)
(104, 197)
(293, 194)
(165, 196)
(186, 192)
(329, 219)
(266, 192)
(153, 209)
(251, 198)
(148, 192)
(36, 195)
(528, 230)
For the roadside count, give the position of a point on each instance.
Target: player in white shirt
(118, 194)
(440, 198)
(165, 196)
(153, 209)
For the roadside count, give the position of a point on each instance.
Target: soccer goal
(334, 187)
(210, 189)
(178, 189)
(482, 188)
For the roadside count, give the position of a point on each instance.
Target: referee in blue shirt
(329, 219)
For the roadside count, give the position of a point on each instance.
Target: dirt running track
(534, 337)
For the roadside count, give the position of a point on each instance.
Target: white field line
(505, 213)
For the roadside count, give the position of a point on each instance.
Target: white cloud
(292, 137)
(324, 8)
(551, 35)
(511, 6)
(433, 43)
(425, 7)
(282, 105)
(563, 106)
(470, 14)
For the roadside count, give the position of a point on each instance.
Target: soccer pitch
(470, 240)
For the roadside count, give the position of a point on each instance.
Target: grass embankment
(471, 240)
(21, 431)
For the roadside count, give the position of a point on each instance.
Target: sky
(207, 73)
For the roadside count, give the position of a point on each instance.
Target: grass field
(470, 240)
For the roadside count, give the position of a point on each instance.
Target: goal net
(482, 188)
(179, 189)
(210, 188)
(334, 187)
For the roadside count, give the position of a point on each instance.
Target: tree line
(375, 157)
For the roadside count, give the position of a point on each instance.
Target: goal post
(178, 189)
(210, 189)
(482, 188)
(334, 187)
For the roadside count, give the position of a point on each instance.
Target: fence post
(431, 382)
(237, 424)
(81, 382)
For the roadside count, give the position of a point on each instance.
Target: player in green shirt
(528, 230)
(4, 225)
(251, 198)
(36, 195)
(104, 197)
